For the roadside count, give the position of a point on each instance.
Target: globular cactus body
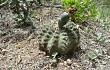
(61, 40)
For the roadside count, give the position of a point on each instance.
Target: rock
(61, 64)
(104, 62)
(18, 59)
(108, 57)
(69, 62)
(108, 51)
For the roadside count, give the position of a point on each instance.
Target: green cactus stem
(62, 40)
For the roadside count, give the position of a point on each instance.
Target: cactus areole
(62, 40)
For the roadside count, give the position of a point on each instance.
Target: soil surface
(19, 48)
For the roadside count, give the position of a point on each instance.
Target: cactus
(63, 39)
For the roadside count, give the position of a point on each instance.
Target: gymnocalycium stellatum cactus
(61, 39)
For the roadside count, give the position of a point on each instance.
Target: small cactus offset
(63, 39)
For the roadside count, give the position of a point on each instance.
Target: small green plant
(100, 37)
(94, 54)
(86, 9)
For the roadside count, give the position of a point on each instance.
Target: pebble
(104, 63)
(69, 62)
(61, 64)
(108, 57)
(108, 51)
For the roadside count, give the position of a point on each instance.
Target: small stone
(61, 63)
(76, 65)
(42, 53)
(47, 56)
(69, 62)
(18, 59)
(108, 51)
(4, 51)
(108, 57)
(104, 63)
(72, 67)
(65, 62)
